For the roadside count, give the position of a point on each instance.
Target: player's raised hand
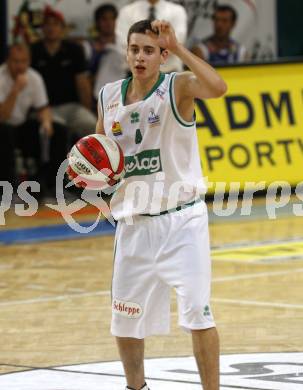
(167, 37)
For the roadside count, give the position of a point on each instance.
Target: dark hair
(227, 8)
(102, 9)
(140, 28)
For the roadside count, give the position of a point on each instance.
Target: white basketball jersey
(161, 151)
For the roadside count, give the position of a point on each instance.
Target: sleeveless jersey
(161, 152)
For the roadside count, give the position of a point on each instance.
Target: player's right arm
(201, 81)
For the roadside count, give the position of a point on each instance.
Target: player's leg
(206, 352)
(185, 264)
(140, 300)
(193, 298)
(131, 352)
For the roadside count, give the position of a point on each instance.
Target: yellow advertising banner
(255, 132)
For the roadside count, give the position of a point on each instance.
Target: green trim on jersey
(174, 106)
(160, 80)
(178, 208)
(125, 84)
(124, 87)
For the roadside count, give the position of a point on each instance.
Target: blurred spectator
(220, 48)
(106, 63)
(153, 9)
(63, 67)
(21, 89)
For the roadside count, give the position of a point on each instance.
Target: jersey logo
(134, 117)
(153, 119)
(206, 311)
(116, 129)
(111, 106)
(146, 162)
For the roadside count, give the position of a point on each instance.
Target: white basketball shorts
(153, 255)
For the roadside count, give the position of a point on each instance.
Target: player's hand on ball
(71, 178)
(95, 162)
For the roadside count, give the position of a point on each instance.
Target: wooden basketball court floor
(55, 306)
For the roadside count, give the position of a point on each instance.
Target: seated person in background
(21, 89)
(63, 67)
(220, 48)
(106, 63)
(151, 10)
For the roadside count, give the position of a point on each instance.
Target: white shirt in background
(33, 95)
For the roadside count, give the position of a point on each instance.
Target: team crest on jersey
(116, 129)
(153, 119)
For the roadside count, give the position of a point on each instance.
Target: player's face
(223, 24)
(18, 61)
(143, 56)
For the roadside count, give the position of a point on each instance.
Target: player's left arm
(202, 81)
(99, 125)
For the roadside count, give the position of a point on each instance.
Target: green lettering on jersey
(138, 137)
(146, 162)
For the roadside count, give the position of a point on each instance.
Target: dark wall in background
(3, 29)
(290, 28)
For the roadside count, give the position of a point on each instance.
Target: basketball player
(151, 116)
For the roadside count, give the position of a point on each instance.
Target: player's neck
(138, 89)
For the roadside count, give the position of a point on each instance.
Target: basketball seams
(100, 151)
(109, 146)
(94, 158)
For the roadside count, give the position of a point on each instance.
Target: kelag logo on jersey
(143, 163)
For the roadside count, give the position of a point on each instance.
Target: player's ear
(164, 55)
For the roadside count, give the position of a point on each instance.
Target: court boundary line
(55, 369)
